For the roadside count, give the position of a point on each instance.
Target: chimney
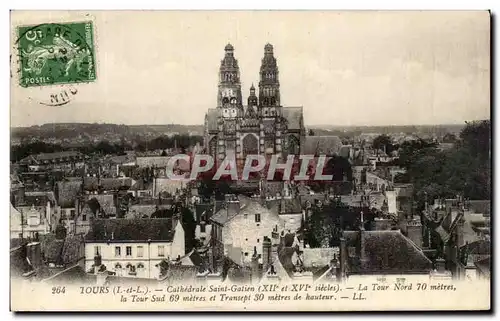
(440, 265)
(20, 195)
(97, 262)
(255, 266)
(210, 254)
(447, 218)
(414, 231)
(363, 255)
(34, 254)
(48, 214)
(334, 266)
(459, 232)
(175, 219)
(266, 253)
(232, 205)
(343, 257)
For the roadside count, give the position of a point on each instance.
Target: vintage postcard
(250, 161)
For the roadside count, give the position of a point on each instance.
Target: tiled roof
(106, 202)
(480, 206)
(481, 247)
(386, 252)
(247, 206)
(484, 266)
(73, 274)
(175, 273)
(318, 257)
(16, 242)
(315, 260)
(62, 251)
(289, 239)
(122, 159)
(237, 274)
(91, 207)
(285, 256)
(53, 251)
(141, 185)
(67, 191)
(72, 250)
(321, 145)
(376, 200)
(152, 161)
(293, 116)
(108, 184)
(139, 210)
(18, 262)
(204, 208)
(46, 241)
(38, 198)
(131, 230)
(311, 198)
(192, 258)
(290, 206)
(272, 188)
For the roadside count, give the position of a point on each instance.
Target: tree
(449, 138)
(311, 132)
(61, 232)
(189, 225)
(464, 169)
(325, 224)
(383, 142)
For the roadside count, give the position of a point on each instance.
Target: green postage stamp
(56, 53)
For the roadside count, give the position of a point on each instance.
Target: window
(97, 250)
(257, 218)
(72, 214)
(202, 228)
(258, 240)
(84, 217)
(118, 251)
(161, 250)
(129, 251)
(118, 266)
(246, 253)
(140, 251)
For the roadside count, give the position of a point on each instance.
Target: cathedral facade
(261, 126)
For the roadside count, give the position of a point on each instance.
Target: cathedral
(262, 125)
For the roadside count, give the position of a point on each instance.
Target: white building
(240, 228)
(133, 247)
(28, 221)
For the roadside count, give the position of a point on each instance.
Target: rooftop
(155, 229)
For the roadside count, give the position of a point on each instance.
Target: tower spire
(269, 94)
(229, 93)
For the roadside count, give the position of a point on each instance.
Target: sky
(344, 68)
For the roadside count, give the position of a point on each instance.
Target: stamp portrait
(56, 53)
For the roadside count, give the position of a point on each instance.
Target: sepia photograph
(250, 160)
